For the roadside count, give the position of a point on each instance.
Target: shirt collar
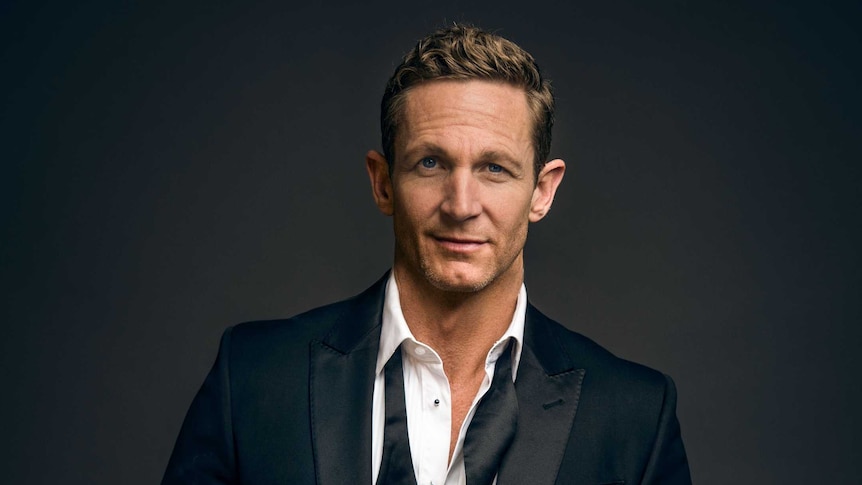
(394, 329)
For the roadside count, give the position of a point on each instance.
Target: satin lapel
(340, 392)
(548, 388)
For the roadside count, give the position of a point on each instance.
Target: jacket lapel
(341, 385)
(548, 388)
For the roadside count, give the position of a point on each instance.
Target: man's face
(462, 188)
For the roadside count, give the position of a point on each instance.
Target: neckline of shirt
(395, 331)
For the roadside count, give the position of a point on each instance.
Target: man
(411, 382)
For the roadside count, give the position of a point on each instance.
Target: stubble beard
(443, 284)
(423, 264)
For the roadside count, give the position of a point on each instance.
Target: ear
(381, 184)
(543, 195)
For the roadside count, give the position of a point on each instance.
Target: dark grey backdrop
(172, 168)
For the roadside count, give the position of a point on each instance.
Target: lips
(459, 244)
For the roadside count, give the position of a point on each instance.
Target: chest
(439, 411)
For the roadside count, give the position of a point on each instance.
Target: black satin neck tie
(396, 466)
(488, 437)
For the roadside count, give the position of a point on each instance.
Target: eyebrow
(423, 147)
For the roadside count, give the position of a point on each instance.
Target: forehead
(467, 111)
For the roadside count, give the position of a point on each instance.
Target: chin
(456, 281)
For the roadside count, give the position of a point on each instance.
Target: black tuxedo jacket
(289, 402)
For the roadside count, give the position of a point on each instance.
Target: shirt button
(419, 351)
(436, 402)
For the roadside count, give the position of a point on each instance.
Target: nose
(461, 199)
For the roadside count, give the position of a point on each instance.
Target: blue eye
(495, 168)
(428, 162)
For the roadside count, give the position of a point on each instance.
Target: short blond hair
(467, 52)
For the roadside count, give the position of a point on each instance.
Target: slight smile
(459, 245)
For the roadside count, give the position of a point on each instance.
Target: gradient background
(170, 169)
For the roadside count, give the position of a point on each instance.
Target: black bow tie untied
(489, 435)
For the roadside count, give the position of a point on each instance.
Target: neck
(460, 326)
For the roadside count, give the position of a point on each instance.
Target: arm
(204, 451)
(668, 463)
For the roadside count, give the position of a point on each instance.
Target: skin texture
(462, 189)
(461, 194)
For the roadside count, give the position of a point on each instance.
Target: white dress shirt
(427, 395)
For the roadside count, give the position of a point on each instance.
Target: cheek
(417, 203)
(511, 210)
(409, 217)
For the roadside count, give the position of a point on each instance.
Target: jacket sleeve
(668, 464)
(204, 451)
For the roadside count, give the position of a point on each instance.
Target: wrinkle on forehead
(485, 118)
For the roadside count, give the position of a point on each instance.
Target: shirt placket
(435, 420)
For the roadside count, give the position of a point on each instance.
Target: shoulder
(603, 371)
(338, 324)
(625, 399)
(626, 410)
(311, 324)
